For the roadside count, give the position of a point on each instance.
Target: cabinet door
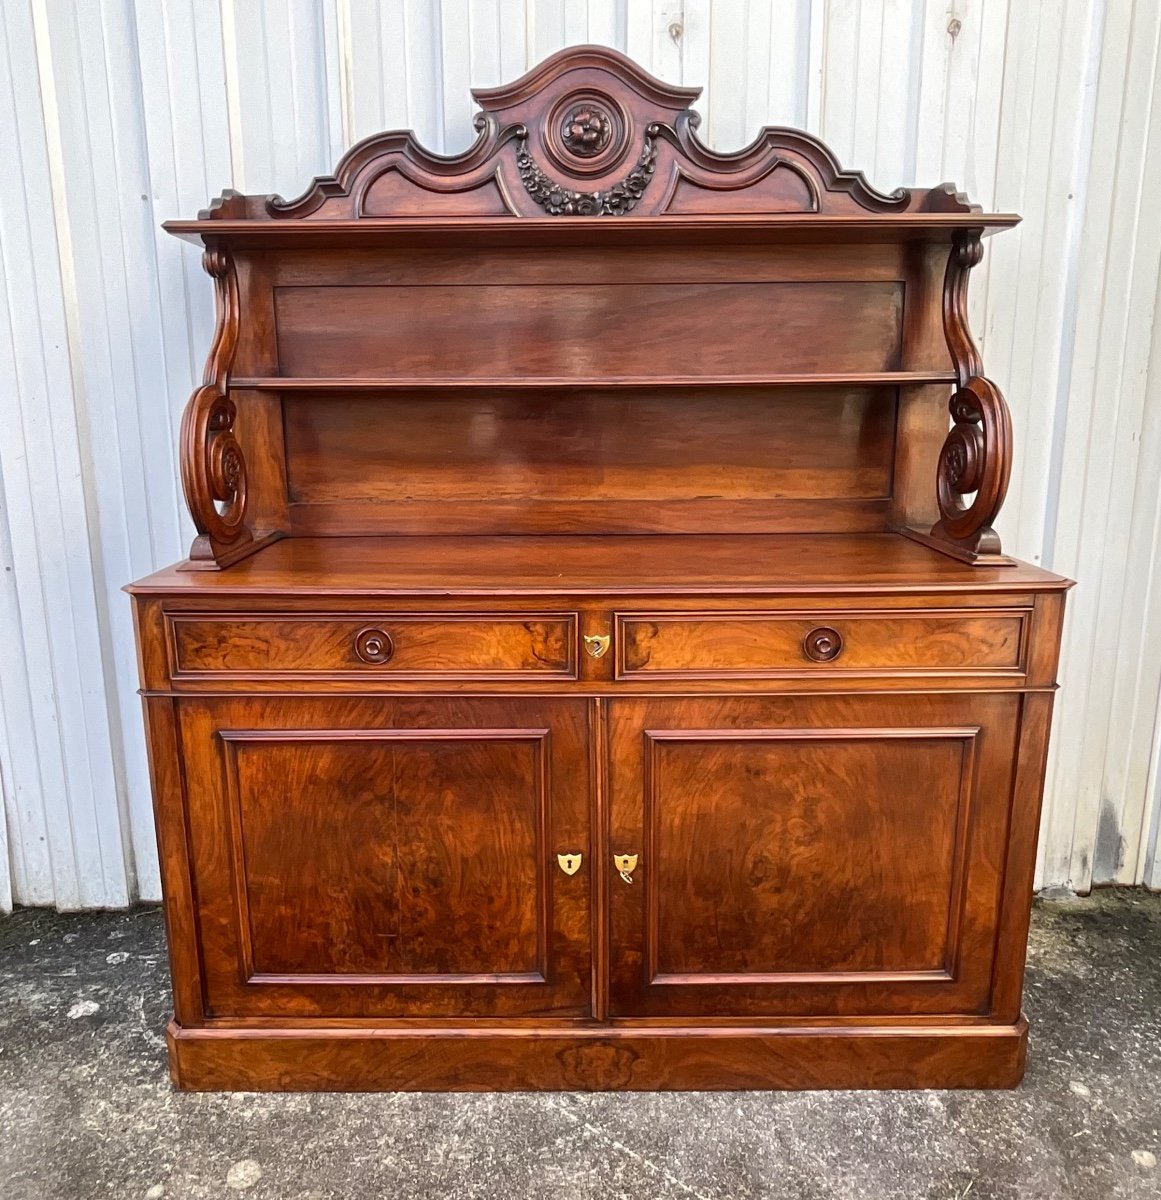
(797, 856)
(389, 857)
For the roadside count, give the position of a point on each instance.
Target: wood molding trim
(597, 1059)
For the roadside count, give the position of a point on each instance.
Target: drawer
(760, 645)
(403, 645)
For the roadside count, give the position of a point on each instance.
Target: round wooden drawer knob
(823, 644)
(374, 645)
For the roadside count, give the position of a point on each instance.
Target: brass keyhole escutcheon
(626, 864)
(596, 645)
(569, 863)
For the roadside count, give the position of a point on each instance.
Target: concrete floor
(86, 1109)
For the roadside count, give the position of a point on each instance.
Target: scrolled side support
(975, 462)
(967, 251)
(974, 468)
(213, 466)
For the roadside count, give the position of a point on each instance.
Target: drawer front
(406, 646)
(748, 645)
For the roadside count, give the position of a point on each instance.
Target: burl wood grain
(808, 856)
(754, 645)
(389, 858)
(399, 837)
(791, 851)
(415, 645)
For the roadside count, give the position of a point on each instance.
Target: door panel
(404, 844)
(803, 808)
(802, 856)
(390, 857)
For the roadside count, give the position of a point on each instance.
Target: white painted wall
(115, 115)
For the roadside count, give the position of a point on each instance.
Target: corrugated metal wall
(116, 115)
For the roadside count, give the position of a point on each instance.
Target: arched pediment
(589, 133)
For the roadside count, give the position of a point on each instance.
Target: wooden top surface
(664, 564)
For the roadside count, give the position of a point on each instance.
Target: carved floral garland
(615, 201)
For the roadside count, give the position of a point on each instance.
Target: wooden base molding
(545, 1059)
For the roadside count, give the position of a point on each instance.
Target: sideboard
(596, 665)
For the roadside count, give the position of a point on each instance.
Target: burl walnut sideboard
(596, 666)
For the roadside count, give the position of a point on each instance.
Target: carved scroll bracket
(213, 467)
(967, 251)
(975, 462)
(974, 467)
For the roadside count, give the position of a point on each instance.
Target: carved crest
(589, 133)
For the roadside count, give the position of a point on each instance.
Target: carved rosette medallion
(220, 489)
(587, 130)
(585, 133)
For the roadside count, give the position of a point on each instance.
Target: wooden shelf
(289, 383)
(735, 229)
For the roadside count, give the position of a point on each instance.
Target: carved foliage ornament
(616, 201)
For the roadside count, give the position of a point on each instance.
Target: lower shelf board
(599, 1059)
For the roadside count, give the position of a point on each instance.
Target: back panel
(634, 330)
(699, 389)
(592, 460)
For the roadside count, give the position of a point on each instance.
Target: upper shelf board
(355, 383)
(717, 230)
